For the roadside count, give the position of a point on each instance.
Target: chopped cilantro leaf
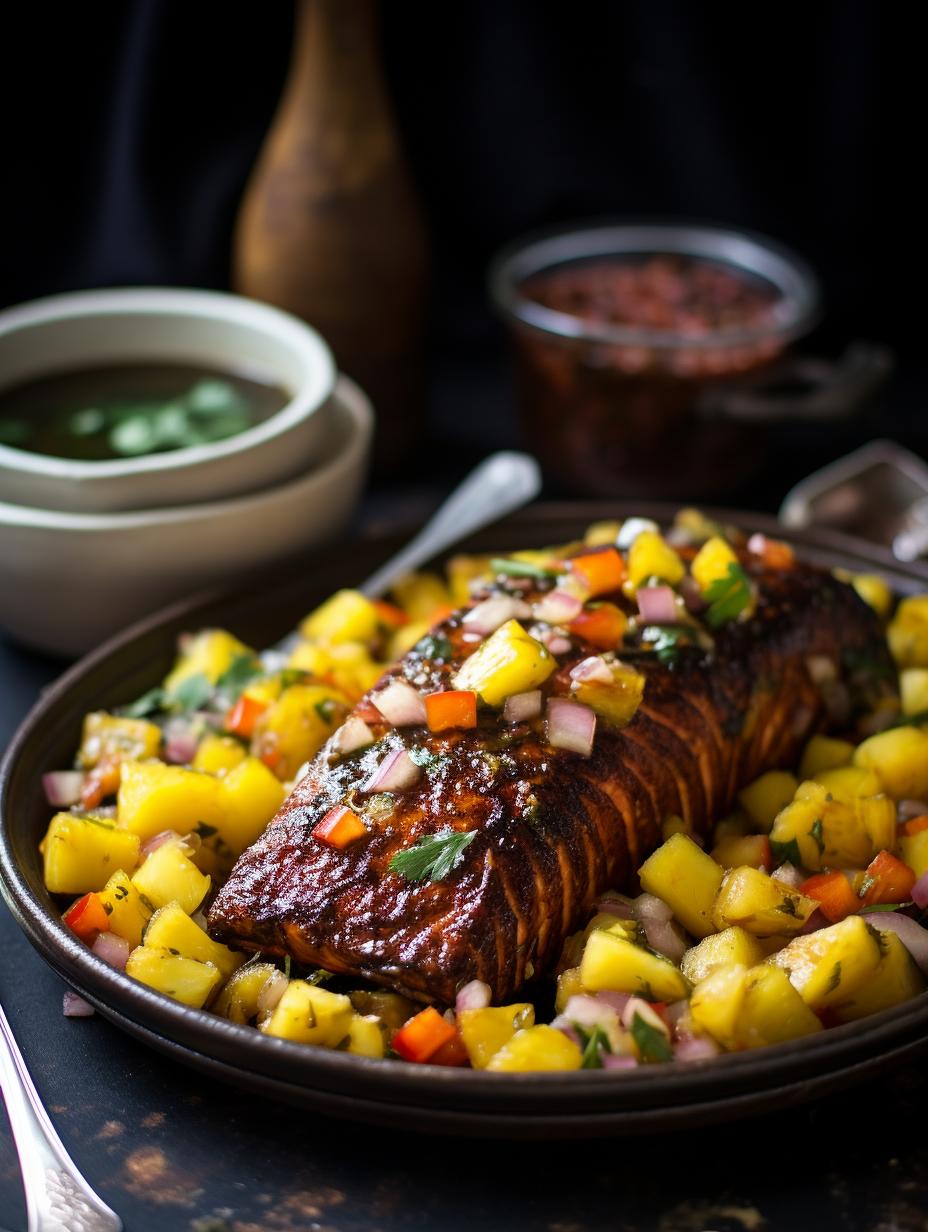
(148, 703)
(882, 907)
(521, 568)
(287, 964)
(191, 694)
(434, 647)
(728, 596)
(652, 1043)
(319, 976)
(325, 709)
(434, 856)
(426, 759)
(243, 669)
(595, 1043)
(666, 641)
(817, 835)
(786, 853)
(292, 675)
(788, 907)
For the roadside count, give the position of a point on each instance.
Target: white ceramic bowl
(147, 324)
(70, 580)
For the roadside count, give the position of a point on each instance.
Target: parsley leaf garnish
(434, 856)
(652, 1043)
(817, 835)
(595, 1043)
(728, 596)
(241, 671)
(191, 694)
(786, 853)
(148, 703)
(434, 647)
(521, 568)
(666, 641)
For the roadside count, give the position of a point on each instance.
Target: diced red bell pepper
(390, 615)
(887, 880)
(422, 1036)
(773, 552)
(452, 1053)
(603, 626)
(600, 572)
(450, 709)
(915, 825)
(243, 717)
(100, 782)
(87, 917)
(339, 828)
(834, 894)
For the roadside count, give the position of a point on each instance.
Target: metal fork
(58, 1198)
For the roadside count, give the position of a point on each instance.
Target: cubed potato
(366, 1036)
(210, 653)
(760, 904)
(908, 632)
(250, 796)
(569, 985)
(309, 1014)
(422, 595)
(82, 853)
(390, 1007)
(218, 754)
(766, 796)
(817, 830)
(686, 879)
(509, 661)
(112, 738)
(772, 1011)
(296, 726)
(154, 797)
(613, 963)
(874, 590)
(172, 929)
(347, 616)
(486, 1031)
(169, 875)
(824, 753)
(534, 1049)
(829, 966)
(238, 999)
(751, 849)
(914, 850)
(913, 689)
(128, 911)
(730, 948)
(184, 979)
(716, 1002)
(899, 758)
(895, 980)
(650, 556)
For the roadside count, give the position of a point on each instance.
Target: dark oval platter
(393, 1093)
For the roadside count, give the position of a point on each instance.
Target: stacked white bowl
(88, 547)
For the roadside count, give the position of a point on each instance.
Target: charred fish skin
(552, 830)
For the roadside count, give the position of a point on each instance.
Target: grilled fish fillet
(553, 829)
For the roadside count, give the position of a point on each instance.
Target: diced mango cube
(602, 534)
(184, 979)
(82, 853)
(238, 999)
(210, 653)
(731, 947)
(250, 796)
(907, 633)
(821, 831)
(686, 879)
(914, 850)
(509, 661)
(895, 980)
(569, 985)
(617, 702)
(760, 904)
(462, 572)
(874, 591)
(366, 1036)
(404, 638)
(772, 1011)
(113, 738)
(153, 797)
(311, 1015)
(824, 753)
(347, 616)
(297, 725)
(716, 1002)
(128, 911)
(421, 595)
(611, 962)
(534, 1049)
(766, 796)
(711, 563)
(899, 758)
(169, 875)
(486, 1031)
(651, 556)
(390, 1007)
(913, 690)
(172, 929)
(830, 965)
(218, 754)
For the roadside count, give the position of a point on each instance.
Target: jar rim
(795, 310)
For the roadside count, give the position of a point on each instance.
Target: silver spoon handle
(58, 1199)
(503, 482)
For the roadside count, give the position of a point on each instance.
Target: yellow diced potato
(509, 661)
(716, 1001)
(462, 572)
(686, 879)
(824, 753)
(250, 795)
(874, 591)
(899, 758)
(617, 702)
(826, 832)
(154, 797)
(712, 562)
(310, 1015)
(171, 928)
(829, 966)
(366, 1036)
(772, 1011)
(913, 690)
(82, 853)
(486, 1031)
(184, 979)
(238, 998)
(112, 738)
(210, 653)
(914, 851)
(907, 633)
(760, 904)
(569, 985)
(729, 948)
(421, 595)
(611, 962)
(169, 875)
(534, 1049)
(295, 728)
(766, 796)
(390, 1007)
(218, 754)
(347, 616)
(895, 980)
(128, 911)
(650, 556)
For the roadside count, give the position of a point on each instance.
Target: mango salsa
(766, 796)
(171, 928)
(348, 616)
(210, 654)
(154, 797)
(686, 879)
(650, 556)
(169, 875)
(310, 1015)
(114, 738)
(82, 853)
(508, 662)
(908, 632)
(486, 1031)
(128, 911)
(535, 1049)
(614, 963)
(760, 904)
(829, 966)
(899, 759)
(712, 562)
(184, 979)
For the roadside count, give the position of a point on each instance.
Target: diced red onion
(815, 921)
(631, 528)
(180, 742)
(691, 595)
(657, 605)
(557, 644)
(906, 810)
(562, 1026)
(615, 1000)
(589, 1012)
(473, 996)
(571, 726)
(272, 990)
(920, 892)
(789, 875)
(63, 787)
(637, 1005)
(611, 1060)
(619, 907)
(396, 772)
(112, 949)
(522, 706)
(650, 907)
(353, 734)
(912, 935)
(664, 938)
(73, 1006)
(676, 1011)
(695, 1048)
(558, 607)
(821, 668)
(199, 918)
(593, 670)
(156, 841)
(491, 613)
(400, 704)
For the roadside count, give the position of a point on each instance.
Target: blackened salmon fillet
(552, 829)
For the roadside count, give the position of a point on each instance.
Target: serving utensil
(58, 1198)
